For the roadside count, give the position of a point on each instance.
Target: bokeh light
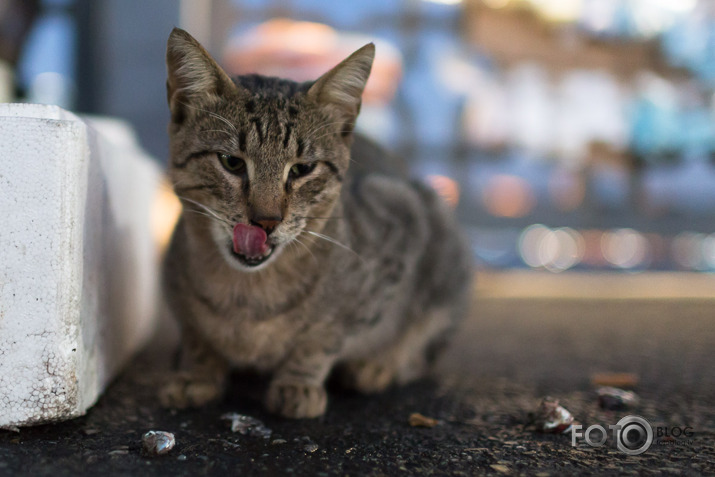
(687, 249)
(508, 196)
(555, 250)
(624, 248)
(709, 251)
(559, 10)
(446, 187)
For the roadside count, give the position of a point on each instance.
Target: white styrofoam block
(78, 263)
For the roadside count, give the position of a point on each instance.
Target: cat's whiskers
(297, 240)
(212, 114)
(321, 125)
(206, 208)
(169, 185)
(293, 247)
(195, 211)
(333, 241)
(312, 134)
(318, 138)
(216, 130)
(232, 136)
(319, 218)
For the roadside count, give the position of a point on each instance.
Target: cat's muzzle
(252, 261)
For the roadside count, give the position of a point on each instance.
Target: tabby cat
(284, 260)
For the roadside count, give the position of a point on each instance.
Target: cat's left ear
(193, 75)
(341, 88)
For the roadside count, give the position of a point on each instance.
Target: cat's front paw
(184, 390)
(296, 401)
(367, 377)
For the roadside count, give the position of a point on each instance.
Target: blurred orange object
(303, 51)
(165, 213)
(617, 380)
(508, 196)
(446, 188)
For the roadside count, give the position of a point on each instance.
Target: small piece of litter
(181, 457)
(278, 441)
(247, 425)
(418, 420)
(158, 442)
(616, 380)
(310, 447)
(553, 418)
(615, 399)
(501, 468)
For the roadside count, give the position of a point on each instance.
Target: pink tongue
(249, 240)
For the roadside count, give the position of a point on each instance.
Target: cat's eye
(233, 164)
(300, 170)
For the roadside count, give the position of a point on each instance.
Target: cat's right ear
(341, 88)
(193, 75)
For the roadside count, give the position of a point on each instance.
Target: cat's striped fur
(366, 272)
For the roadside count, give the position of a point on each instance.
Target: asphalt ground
(528, 336)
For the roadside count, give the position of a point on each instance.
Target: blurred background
(569, 134)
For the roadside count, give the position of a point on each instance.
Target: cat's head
(260, 160)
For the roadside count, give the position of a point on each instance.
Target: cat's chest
(247, 340)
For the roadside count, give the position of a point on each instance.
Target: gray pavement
(529, 335)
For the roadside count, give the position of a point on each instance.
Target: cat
(286, 261)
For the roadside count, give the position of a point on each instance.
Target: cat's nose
(267, 223)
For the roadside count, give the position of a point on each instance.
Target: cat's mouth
(252, 261)
(250, 245)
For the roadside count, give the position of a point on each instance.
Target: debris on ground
(418, 420)
(616, 399)
(158, 442)
(308, 445)
(552, 417)
(247, 425)
(502, 469)
(616, 380)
